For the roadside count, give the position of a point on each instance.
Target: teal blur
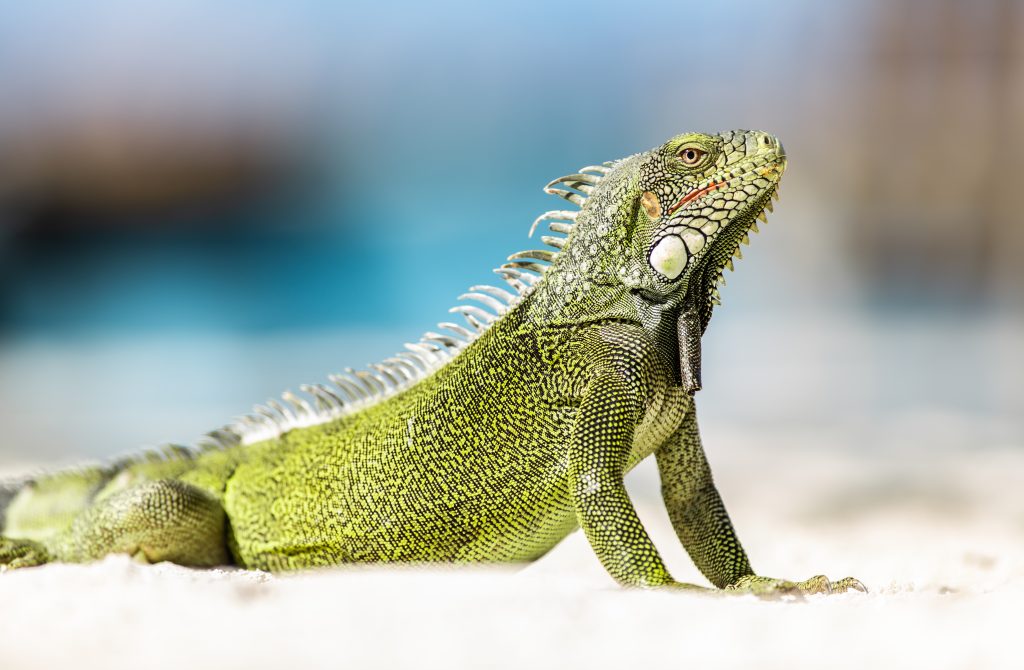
(204, 203)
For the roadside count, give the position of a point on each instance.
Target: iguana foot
(767, 587)
(21, 554)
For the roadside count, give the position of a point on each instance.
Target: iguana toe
(768, 587)
(848, 584)
(21, 554)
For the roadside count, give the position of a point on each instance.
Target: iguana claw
(767, 587)
(848, 584)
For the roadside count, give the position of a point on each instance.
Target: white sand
(937, 536)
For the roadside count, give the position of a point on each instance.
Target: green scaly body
(489, 443)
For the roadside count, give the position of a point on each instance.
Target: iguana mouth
(697, 193)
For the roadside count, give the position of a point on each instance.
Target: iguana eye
(691, 155)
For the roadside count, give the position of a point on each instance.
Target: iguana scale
(488, 442)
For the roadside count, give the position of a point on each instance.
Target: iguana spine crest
(355, 390)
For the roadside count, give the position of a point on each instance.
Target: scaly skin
(496, 455)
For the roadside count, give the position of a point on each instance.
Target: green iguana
(489, 442)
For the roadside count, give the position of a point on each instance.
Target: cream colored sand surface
(937, 535)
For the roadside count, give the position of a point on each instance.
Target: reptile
(489, 441)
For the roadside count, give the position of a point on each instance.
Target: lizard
(489, 441)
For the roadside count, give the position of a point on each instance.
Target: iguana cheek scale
(484, 441)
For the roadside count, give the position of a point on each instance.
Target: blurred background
(205, 203)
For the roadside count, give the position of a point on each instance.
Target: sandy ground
(937, 535)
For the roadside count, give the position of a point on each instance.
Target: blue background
(399, 152)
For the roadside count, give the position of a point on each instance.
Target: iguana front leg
(703, 526)
(601, 441)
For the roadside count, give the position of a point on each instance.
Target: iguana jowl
(484, 443)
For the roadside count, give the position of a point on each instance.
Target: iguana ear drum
(651, 205)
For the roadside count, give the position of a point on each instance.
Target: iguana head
(699, 196)
(657, 230)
